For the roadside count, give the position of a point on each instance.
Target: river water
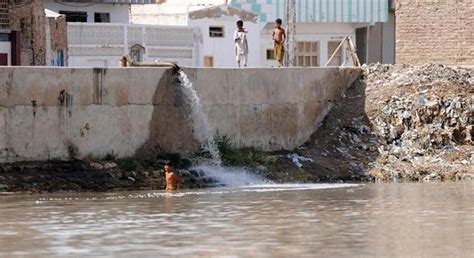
(307, 220)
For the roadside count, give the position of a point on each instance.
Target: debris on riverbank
(410, 123)
(424, 116)
(92, 175)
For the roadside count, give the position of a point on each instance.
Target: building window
(216, 32)
(337, 59)
(270, 54)
(208, 61)
(4, 16)
(4, 37)
(75, 16)
(101, 17)
(308, 53)
(136, 52)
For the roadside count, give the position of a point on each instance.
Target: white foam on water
(231, 176)
(292, 187)
(257, 188)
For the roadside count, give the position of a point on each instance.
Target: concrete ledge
(61, 113)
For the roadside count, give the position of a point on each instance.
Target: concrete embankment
(64, 113)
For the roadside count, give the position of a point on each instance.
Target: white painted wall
(5, 47)
(223, 49)
(118, 12)
(102, 44)
(321, 32)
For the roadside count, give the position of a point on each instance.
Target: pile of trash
(413, 75)
(424, 123)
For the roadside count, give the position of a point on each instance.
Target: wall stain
(35, 106)
(170, 129)
(83, 130)
(98, 83)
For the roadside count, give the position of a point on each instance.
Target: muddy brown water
(301, 220)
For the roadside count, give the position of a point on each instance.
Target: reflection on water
(265, 221)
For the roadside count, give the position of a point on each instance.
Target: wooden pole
(337, 49)
(355, 59)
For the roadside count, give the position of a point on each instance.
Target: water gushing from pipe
(202, 128)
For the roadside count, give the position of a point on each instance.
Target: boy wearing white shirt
(241, 45)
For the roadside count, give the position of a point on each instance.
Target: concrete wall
(50, 113)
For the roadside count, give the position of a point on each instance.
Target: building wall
(435, 31)
(118, 12)
(56, 40)
(320, 32)
(381, 42)
(51, 113)
(28, 17)
(102, 44)
(4, 14)
(223, 49)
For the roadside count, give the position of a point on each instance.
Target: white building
(213, 20)
(99, 33)
(102, 45)
(108, 11)
(217, 25)
(320, 27)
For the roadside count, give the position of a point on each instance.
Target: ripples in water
(303, 220)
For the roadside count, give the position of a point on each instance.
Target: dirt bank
(93, 175)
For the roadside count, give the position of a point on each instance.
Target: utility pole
(290, 17)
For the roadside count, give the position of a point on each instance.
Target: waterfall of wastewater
(202, 129)
(229, 176)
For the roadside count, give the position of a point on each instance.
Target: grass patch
(239, 156)
(134, 164)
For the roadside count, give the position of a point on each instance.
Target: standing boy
(279, 37)
(173, 182)
(241, 45)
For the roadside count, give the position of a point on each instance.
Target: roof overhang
(325, 11)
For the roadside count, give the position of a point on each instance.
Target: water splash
(228, 176)
(202, 128)
(231, 176)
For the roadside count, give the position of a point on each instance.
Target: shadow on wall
(170, 125)
(341, 147)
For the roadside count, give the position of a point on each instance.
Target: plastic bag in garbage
(297, 159)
